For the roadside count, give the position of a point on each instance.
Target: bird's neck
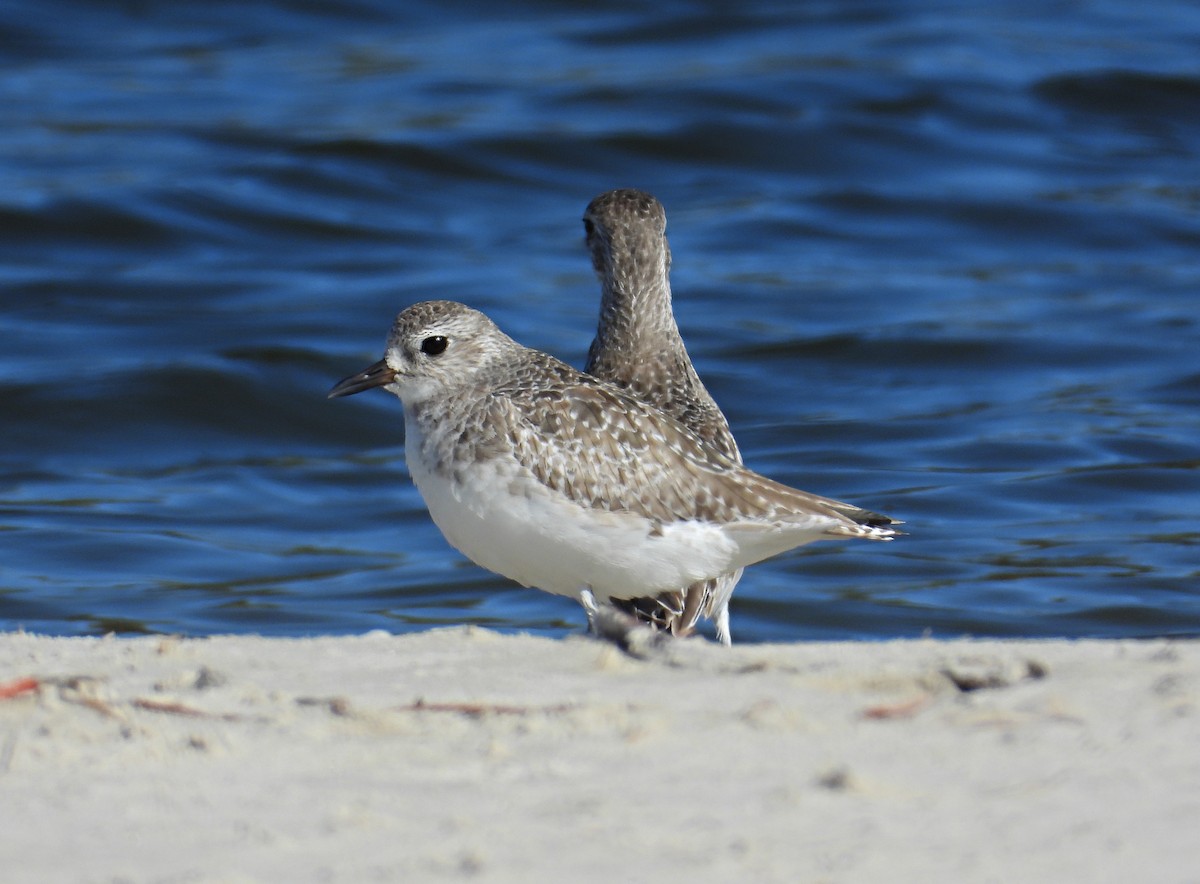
(635, 305)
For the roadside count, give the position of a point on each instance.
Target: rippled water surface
(941, 263)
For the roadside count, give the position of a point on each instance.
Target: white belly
(504, 520)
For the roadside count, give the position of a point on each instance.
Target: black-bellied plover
(561, 481)
(638, 347)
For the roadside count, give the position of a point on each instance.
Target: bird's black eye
(588, 228)
(434, 345)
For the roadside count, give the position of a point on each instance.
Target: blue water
(940, 262)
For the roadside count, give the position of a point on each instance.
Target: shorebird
(638, 347)
(562, 481)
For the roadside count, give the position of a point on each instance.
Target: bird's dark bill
(376, 375)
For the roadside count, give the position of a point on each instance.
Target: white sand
(243, 759)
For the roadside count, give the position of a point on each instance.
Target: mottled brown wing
(604, 449)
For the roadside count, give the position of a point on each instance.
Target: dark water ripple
(942, 265)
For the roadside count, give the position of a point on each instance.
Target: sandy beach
(467, 754)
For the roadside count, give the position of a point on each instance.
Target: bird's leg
(587, 598)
